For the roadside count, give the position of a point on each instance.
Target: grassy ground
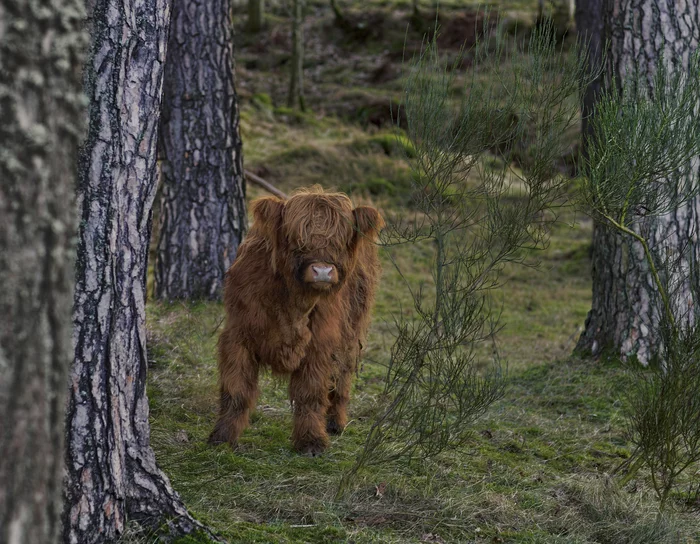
(539, 467)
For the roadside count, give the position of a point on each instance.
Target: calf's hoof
(218, 437)
(312, 448)
(333, 427)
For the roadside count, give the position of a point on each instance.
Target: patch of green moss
(374, 186)
(295, 117)
(262, 100)
(391, 144)
(300, 154)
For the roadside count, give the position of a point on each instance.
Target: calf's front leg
(308, 389)
(238, 381)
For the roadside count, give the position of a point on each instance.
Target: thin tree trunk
(203, 216)
(111, 469)
(625, 312)
(256, 15)
(296, 80)
(339, 18)
(41, 107)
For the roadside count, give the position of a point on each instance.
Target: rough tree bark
(624, 314)
(203, 216)
(296, 65)
(256, 15)
(41, 107)
(111, 468)
(589, 27)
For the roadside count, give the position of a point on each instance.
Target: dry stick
(264, 184)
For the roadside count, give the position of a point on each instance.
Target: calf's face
(314, 236)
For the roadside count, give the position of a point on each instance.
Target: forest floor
(540, 466)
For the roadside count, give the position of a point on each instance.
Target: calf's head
(313, 237)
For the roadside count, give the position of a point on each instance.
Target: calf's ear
(267, 216)
(368, 222)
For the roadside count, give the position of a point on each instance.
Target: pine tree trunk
(256, 15)
(41, 108)
(203, 216)
(625, 312)
(111, 468)
(296, 81)
(590, 28)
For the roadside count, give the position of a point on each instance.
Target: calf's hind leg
(339, 395)
(238, 381)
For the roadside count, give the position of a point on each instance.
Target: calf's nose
(322, 273)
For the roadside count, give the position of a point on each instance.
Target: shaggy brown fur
(298, 300)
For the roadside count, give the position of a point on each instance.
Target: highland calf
(298, 300)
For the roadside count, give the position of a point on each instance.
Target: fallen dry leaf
(379, 490)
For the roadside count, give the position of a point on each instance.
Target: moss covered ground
(541, 465)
